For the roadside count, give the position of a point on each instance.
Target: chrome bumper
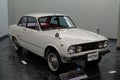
(82, 57)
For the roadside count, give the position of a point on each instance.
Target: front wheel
(53, 60)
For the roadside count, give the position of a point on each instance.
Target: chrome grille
(90, 46)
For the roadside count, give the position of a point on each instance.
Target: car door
(21, 26)
(31, 36)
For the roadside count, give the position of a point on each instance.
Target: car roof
(37, 15)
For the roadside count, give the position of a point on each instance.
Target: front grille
(90, 46)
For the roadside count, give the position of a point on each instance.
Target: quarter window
(23, 22)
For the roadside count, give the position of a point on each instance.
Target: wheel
(16, 45)
(53, 60)
(95, 62)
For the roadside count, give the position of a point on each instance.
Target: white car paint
(37, 41)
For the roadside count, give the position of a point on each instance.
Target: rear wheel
(53, 60)
(16, 45)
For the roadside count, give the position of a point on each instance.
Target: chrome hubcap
(53, 62)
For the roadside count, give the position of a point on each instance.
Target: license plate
(92, 56)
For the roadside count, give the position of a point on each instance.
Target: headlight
(78, 49)
(74, 49)
(105, 44)
(71, 50)
(102, 44)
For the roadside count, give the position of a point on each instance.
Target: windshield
(55, 22)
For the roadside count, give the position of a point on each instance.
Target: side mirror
(57, 35)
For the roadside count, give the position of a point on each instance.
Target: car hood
(77, 36)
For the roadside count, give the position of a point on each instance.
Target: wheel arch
(13, 37)
(49, 47)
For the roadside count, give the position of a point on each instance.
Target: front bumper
(82, 57)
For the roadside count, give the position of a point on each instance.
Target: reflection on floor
(32, 67)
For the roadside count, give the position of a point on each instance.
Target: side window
(49, 22)
(32, 23)
(43, 19)
(44, 22)
(23, 22)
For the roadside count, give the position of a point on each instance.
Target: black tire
(53, 60)
(95, 62)
(16, 45)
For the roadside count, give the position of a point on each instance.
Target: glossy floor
(32, 67)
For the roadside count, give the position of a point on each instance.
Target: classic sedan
(57, 39)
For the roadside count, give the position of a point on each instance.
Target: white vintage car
(56, 38)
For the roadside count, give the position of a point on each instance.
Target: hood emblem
(57, 36)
